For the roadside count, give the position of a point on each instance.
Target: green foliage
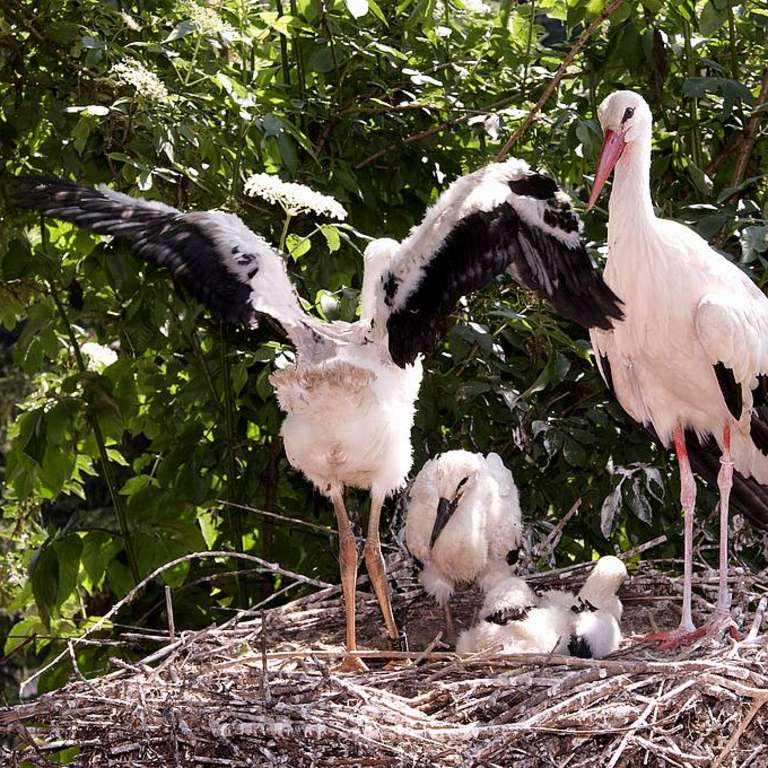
(113, 467)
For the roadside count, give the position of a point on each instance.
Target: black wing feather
(485, 244)
(165, 236)
(730, 389)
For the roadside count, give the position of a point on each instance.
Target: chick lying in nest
(513, 618)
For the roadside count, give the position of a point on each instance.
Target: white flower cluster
(99, 356)
(135, 75)
(471, 6)
(293, 198)
(476, 6)
(208, 22)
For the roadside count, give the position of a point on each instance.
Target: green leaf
(68, 552)
(44, 574)
(138, 483)
(98, 549)
(297, 246)
(182, 29)
(34, 434)
(332, 238)
(711, 19)
(20, 631)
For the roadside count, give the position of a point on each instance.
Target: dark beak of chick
(445, 510)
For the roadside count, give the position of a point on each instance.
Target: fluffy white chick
(513, 620)
(596, 630)
(463, 523)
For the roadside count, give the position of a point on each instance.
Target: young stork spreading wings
(350, 397)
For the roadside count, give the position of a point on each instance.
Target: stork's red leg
(722, 618)
(688, 502)
(348, 567)
(374, 562)
(686, 632)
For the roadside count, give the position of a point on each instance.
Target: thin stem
(283, 47)
(732, 42)
(695, 133)
(297, 55)
(238, 160)
(532, 11)
(235, 518)
(284, 233)
(117, 500)
(194, 60)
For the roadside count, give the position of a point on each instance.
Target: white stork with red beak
(690, 358)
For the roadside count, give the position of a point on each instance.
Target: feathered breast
(301, 387)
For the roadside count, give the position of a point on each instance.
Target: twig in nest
(757, 623)
(140, 586)
(265, 692)
(551, 542)
(169, 613)
(558, 76)
(757, 703)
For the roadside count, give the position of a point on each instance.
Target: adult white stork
(463, 523)
(690, 358)
(350, 397)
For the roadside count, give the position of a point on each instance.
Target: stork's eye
(628, 112)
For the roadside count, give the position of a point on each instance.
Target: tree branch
(549, 90)
(749, 139)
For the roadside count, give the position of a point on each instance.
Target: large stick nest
(261, 690)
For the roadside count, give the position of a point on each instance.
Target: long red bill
(613, 146)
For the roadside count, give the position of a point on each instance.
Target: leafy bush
(378, 105)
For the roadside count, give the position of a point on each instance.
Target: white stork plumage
(515, 619)
(350, 397)
(597, 609)
(690, 359)
(463, 523)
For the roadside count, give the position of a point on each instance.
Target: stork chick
(513, 620)
(463, 523)
(597, 610)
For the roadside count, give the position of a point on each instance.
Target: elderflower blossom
(293, 198)
(476, 6)
(99, 356)
(135, 75)
(208, 22)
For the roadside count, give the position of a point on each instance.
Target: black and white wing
(211, 254)
(502, 218)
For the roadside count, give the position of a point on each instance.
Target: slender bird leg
(374, 562)
(348, 567)
(724, 483)
(688, 501)
(686, 632)
(722, 620)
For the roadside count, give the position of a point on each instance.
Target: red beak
(613, 146)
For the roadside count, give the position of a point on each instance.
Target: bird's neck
(630, 205)
(369, 292)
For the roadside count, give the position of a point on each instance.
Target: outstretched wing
(502, 218)
(212, 254)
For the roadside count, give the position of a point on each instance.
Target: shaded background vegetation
(380, 105)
